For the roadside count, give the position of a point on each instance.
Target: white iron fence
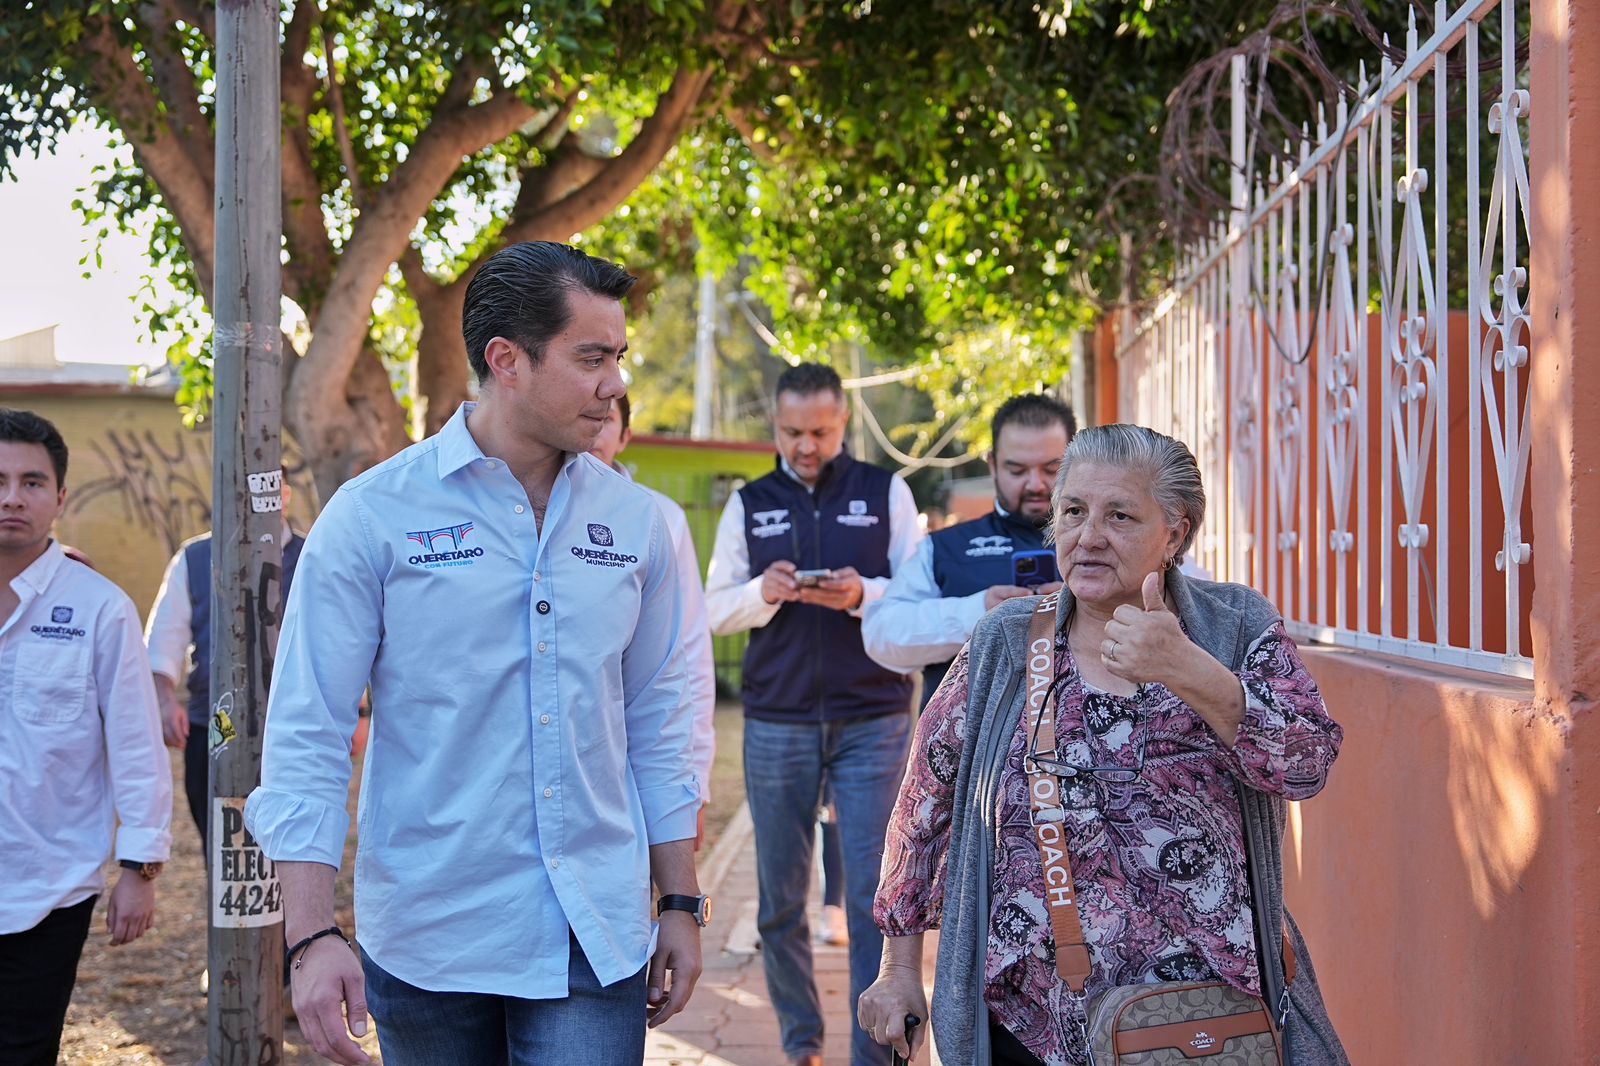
(1365, 446)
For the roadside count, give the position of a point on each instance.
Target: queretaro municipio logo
(61, 615)
(600, 535)
(858, 515)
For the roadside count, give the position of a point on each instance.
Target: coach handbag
(1198, 1023)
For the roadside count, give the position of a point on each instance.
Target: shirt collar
(829, 469)
(42, 570)
(456, 446)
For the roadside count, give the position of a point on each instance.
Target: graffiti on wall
(159, 480)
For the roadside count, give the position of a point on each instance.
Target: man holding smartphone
(799, 554)
(963, 571)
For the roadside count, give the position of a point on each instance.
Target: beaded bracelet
(332, 930)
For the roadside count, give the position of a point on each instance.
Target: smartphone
(810, 579)
(1030, 569)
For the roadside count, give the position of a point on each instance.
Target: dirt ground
(141, 1004)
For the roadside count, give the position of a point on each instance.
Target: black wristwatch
(699, 906)
(147, 870)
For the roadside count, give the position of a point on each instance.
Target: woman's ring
(1112, 654)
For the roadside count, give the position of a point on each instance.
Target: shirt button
(537, 576)
(555, 864)
(549, 792)
(520, 508)
(541, 645)
(544, 606)
(491, 464)
(544, 719)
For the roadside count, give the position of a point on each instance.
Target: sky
(41, 281)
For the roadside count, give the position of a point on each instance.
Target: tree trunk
(344, 435)
(442, 372)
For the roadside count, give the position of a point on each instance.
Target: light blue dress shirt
(531, 737)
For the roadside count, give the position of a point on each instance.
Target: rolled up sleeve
(330, 637)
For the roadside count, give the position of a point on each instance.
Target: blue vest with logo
(197, 559)
(808, 663)
(972, 556)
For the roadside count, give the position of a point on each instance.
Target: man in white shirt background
(963, 571)
(799, 553)
(699, 658)
(80, 750)
(514, 605)
(178, 636)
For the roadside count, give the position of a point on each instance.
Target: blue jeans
(417, 1027)
(784, 767)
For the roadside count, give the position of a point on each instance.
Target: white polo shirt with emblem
(531, 731)
(80, 741)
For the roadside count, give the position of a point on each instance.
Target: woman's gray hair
(1174, 474)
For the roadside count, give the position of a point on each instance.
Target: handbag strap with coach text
(1049, 812)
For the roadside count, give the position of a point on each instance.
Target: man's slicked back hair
(521, 294)
(25, 427)
(1034, 409)
(808, 379)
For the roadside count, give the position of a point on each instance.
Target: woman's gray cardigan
(1224, 620)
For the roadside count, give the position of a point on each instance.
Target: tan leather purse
(1161, 1024)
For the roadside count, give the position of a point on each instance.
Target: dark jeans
(592, 1025)
(38, 967)
(1007, 1050)
(196, 775)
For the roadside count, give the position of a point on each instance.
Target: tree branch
(184, 169)
(383, 231)
(174, 81)
(311, 256)
(622, 173)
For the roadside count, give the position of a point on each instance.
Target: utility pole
(244, 1013)
(705, 358)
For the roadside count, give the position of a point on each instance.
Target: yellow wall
(138, 482)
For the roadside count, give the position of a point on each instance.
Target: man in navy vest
(963, 571)
(179, 635)
(799, 555)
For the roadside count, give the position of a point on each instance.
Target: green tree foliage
(939, 181)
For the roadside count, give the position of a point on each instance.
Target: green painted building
(701, 475)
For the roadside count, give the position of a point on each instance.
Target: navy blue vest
(808, 663)
(197, 558)
(972, 556)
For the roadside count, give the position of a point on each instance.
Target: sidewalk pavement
(729, 1021)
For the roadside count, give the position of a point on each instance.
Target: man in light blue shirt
(515, 606)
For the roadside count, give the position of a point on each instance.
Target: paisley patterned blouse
(1159, 862)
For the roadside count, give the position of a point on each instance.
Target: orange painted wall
(1432, 876)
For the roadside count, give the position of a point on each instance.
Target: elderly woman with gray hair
(1183, 719)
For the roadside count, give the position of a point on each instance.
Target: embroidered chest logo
(770, 523)
(857, 515)
(600, 535)
(61, 615)
(987, 546)
(443, 547)
(58, 632)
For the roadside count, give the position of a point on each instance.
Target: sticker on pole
(266, 491)
(245, 892)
